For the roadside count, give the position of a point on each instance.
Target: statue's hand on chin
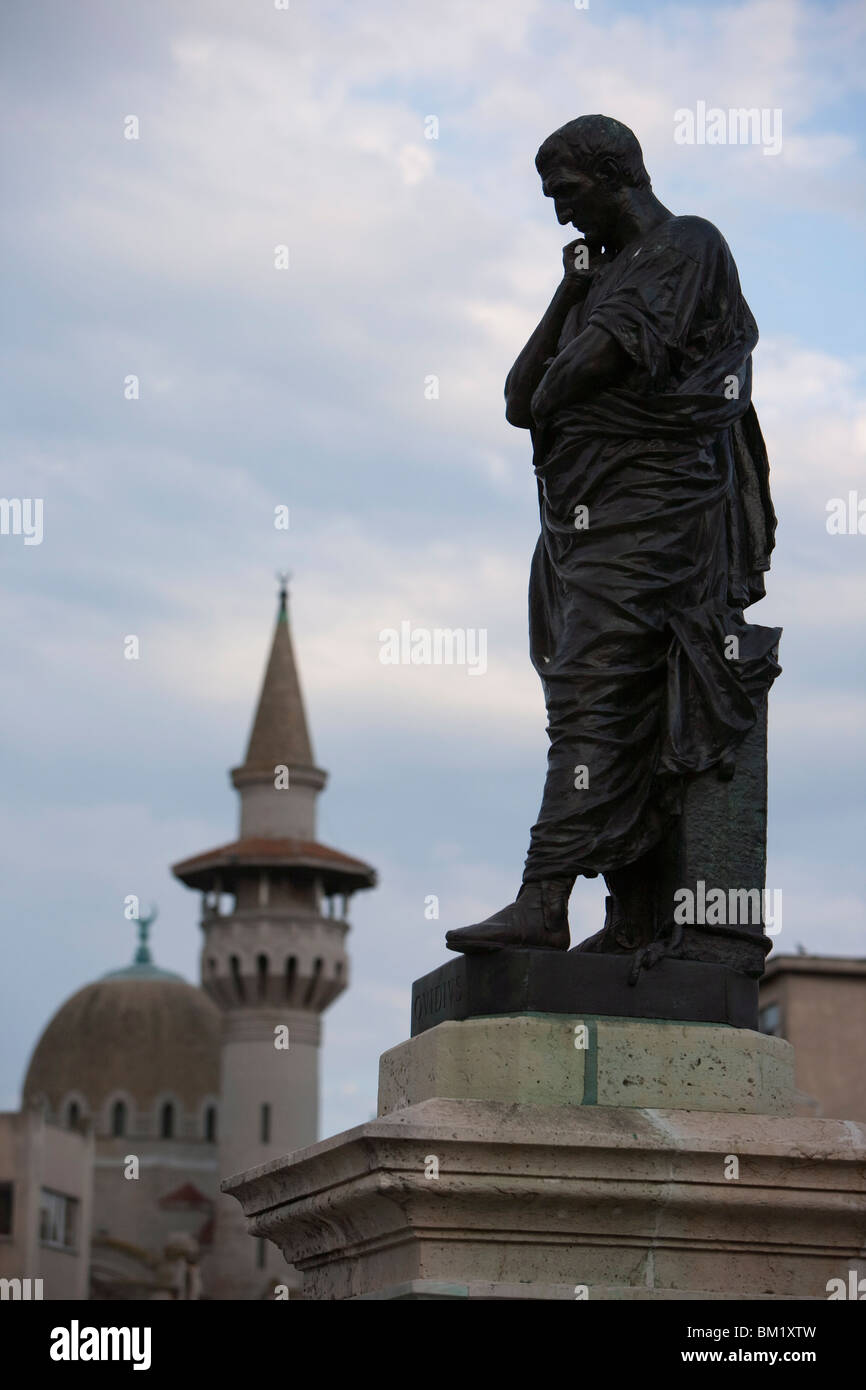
(578, 269)
(541, 406)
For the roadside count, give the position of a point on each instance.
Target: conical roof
(277, 830)
(280, 734)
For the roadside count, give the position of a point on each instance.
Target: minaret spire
(284, 576)
(279, 736)
(274, 960)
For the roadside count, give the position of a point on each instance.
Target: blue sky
(408, 257)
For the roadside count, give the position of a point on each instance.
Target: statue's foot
(537, 921)
(616, 938)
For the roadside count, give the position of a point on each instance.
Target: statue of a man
(656, 529)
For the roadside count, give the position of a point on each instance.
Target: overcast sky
(408, 257)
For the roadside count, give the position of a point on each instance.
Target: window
(314, 979)
(291, 972)
(770, 1020)
(118, 1118)
(73, 1115)
(266, 1124)
(58, 1219)
(262, 973)
(260, 1253)
(235, 967)
(5, 1208)
(210, 1123)
(166, 1121)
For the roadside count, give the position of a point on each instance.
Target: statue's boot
(618, 936)
(630, 921)
(537, 921)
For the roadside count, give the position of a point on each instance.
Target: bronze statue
(656, 531)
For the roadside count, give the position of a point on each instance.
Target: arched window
(73, 1115)
(235, 965)
(262, 974)
(210, 1124)
(118, 1118)
(314, 979)
(166, 1121)
(291, 972)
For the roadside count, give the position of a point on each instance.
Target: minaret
(273, 961)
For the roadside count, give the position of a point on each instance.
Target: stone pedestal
(551, 1060)
(506, 1163)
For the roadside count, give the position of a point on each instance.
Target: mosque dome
(135, 1052)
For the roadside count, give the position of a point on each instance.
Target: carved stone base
(578, 982)
(473, 1199)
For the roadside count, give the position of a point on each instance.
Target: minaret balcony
(292, 979)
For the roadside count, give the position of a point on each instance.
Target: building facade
(46, 1192)
(818, 1003)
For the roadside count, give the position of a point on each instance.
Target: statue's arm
(590, 362)
(532, 363)
(580, 262)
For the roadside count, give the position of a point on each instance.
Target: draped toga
(650, 672)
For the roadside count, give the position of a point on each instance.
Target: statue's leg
(700, 892)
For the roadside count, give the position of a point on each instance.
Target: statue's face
(582, 199)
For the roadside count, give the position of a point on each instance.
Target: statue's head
(586, 167)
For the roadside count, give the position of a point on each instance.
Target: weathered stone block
(573, 1061)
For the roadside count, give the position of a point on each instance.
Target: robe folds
(651, 674)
